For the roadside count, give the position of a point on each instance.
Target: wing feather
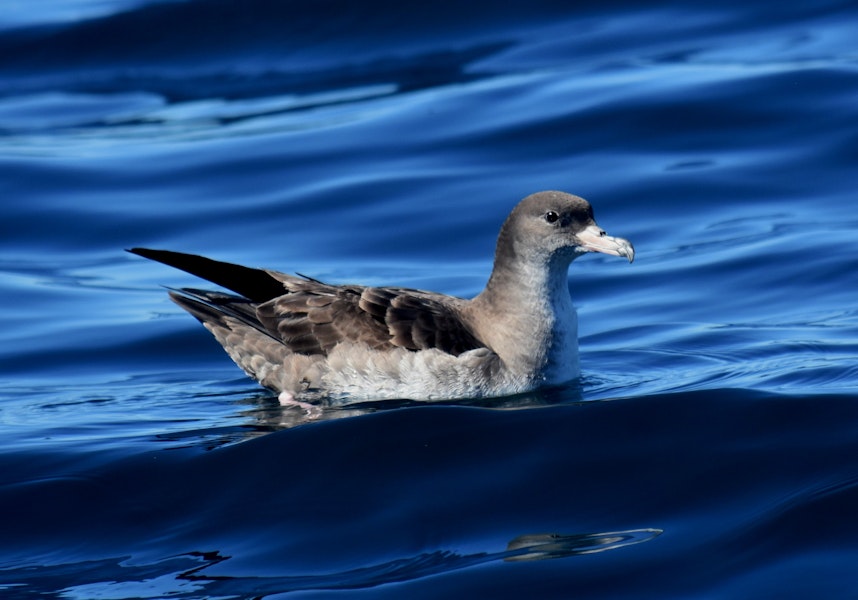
(379, 317)
(311, 317)
(279, 328)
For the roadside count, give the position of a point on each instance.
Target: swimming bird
(312, 341)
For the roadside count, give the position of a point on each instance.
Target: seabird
(311, 341)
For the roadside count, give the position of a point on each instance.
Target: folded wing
(310, 317)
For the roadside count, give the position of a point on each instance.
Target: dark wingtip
(255, 284)
(156, 255)
(150, 253)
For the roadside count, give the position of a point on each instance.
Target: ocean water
(710, 449)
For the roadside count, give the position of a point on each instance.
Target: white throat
(534, 326)
(560, 361)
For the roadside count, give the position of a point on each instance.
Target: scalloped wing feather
(312, 317)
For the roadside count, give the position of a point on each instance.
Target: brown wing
(313, 317)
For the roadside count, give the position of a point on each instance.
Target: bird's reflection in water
(541, 546)
(408, 568)
(261, 413)
(266, 413)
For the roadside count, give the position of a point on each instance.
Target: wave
(220, 48)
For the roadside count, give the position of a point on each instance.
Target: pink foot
(287, 399)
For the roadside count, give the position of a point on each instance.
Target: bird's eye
(551, 216)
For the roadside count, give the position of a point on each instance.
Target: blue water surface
(710, 449)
